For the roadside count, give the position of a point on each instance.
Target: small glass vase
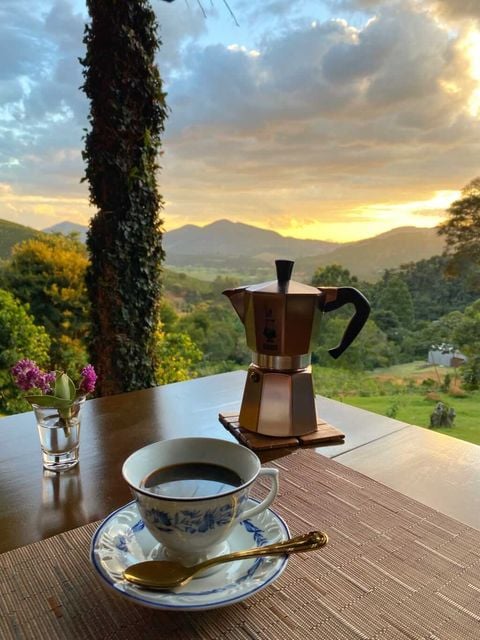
(59, 432)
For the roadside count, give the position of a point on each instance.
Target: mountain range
(225, 246)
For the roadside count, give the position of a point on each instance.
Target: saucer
(122, 539)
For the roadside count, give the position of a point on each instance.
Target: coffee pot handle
(336, 297)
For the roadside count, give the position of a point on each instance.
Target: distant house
(445, 355)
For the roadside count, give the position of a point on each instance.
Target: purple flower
(28, 376)
(89, 378)
(47, 381)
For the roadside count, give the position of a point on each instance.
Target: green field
(407, 392)
(415, 408)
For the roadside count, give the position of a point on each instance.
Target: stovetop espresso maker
(281, 320)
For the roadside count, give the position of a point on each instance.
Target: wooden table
(34, 504)
(393, 568)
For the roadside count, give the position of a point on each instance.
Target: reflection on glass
(62, 507)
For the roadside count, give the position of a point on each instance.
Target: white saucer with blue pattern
(122, 539)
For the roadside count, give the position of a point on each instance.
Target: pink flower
(47, 382)
(89, 379)
(28, 376)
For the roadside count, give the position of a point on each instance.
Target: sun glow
(369, 220)
(41, 211)
(438, 202)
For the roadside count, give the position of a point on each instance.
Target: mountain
(367, 259)
(225, 239)
(66, 227)
(225, 247)
(10, 234)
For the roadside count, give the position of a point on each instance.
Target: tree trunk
(127, 113)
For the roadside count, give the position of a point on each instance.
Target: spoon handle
(298, 544)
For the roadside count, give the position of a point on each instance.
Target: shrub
(392, 410)
(433, 396)
(458, 393)
(20, 338)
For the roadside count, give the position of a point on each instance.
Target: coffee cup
(191, 493)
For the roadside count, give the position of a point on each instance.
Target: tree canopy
(48, 274)
(462, 231)
(333, 275)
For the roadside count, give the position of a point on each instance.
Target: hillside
(225, 246)
(246, 252)
(367, 259)
(66, 227)
(10, 234)
(223, 239)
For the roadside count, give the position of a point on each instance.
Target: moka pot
(281, 318)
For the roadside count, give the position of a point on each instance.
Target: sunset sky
(328, 119)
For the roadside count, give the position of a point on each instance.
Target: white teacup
(192, 529)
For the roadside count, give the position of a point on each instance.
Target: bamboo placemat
(325, 434)
(393, 569)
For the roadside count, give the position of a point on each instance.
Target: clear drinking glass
(59, 432)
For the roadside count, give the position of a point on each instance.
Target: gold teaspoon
(164, 574)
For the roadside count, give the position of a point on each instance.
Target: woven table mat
(325, 434)
(393, 569)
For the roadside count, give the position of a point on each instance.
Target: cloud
(179, 23)
(296, 119)
(326, 113)
(456, 9)
(42, 109)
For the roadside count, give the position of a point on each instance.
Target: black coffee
(191, 480)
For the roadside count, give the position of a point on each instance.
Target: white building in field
(445, 355)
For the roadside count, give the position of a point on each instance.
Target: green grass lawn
(415, 409)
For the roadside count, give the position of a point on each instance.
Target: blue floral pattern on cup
(191, 521)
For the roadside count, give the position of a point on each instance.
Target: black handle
(335, 298)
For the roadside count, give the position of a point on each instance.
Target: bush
(392, 410)
(434, 396)
(177, 355)
(471, 374)
(458, 393)
(447, 381)
(19, 338)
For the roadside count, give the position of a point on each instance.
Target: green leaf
(64, 387)
(50, 401)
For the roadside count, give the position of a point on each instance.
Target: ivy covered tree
(127, 113)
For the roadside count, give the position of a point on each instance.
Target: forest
(44, 315)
